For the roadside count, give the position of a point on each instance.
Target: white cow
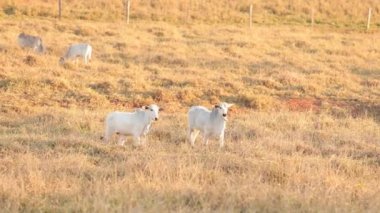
(29, 41)
(77, 50)
(210, 123)
(135, 123)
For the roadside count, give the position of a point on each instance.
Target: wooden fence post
(369, 18)
(128, 9)
(59, 9)
(250, 16)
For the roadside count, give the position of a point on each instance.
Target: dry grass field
(304, 135)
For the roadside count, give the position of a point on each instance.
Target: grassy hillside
(304, 134)
(338, 13)
(264, 69)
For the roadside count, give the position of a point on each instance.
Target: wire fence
(337, 13)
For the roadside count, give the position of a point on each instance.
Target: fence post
(128, 9)
(250, 16)
(369, 18)
(59, 9)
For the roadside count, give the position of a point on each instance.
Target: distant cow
(77, 50)
(29, 41)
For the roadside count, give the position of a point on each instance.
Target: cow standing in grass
(136, 124)
(211, 123)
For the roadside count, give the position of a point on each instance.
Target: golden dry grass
(304, 135)
(337, 13)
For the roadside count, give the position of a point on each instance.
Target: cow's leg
(205, 138)
(190, 136)
(136, 140)
(121, 140)
(221, 140)
(143, 140)
(107, 134)
(193, 134)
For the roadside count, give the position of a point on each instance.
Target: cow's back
(198, 116)
(78, 50)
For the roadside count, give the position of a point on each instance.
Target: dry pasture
(303, 137)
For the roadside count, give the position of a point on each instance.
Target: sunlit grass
(303, 134)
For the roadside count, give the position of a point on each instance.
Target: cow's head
(222, 109)
(152, 111)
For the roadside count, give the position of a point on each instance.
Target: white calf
(77, 50)
(135, 123)
(29, 41)
(210, 123)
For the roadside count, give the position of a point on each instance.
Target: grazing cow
(29, 41)
(77, 50)
(210, 123)
(135, 123)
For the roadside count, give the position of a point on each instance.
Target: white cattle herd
(74, 51)
(211, 123)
